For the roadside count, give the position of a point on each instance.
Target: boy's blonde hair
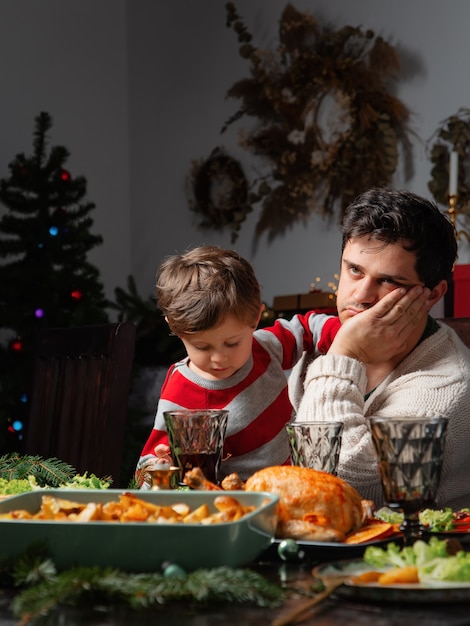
(197, 290)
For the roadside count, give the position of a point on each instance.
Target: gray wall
(137, 91)
(69, 58)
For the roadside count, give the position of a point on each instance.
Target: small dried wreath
(219, 192)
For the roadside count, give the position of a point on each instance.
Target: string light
(16, 345)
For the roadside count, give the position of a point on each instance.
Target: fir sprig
(22, 473)
(47, 589)
(51, 472)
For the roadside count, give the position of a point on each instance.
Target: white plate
(418, 592)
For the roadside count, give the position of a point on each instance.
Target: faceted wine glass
(196, 438)
(409, 452)
(315, 444)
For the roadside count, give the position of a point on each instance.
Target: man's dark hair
(395, 216)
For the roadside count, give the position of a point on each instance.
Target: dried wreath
(219, 192)
(328, 128)
(453, 133)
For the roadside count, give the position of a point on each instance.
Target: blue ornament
(173, 570)
(288, 550)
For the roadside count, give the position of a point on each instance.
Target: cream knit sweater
(433, 379)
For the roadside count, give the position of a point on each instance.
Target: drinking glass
(196, 439)
(409, 452)
(315, 444)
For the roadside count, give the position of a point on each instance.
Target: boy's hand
(162, 452)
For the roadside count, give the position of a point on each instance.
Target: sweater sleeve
(334, 390)
(324, 329)
(310, 334)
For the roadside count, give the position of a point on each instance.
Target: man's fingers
(404, 304)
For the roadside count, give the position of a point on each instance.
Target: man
(390, 357)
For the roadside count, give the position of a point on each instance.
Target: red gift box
(461, 291)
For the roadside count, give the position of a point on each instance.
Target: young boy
(211, 300)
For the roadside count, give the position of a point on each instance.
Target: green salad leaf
(436, 520)
(453, 568)
(392, 554)
(17, 485)
(433, 561)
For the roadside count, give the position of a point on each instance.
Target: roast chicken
(313, 505)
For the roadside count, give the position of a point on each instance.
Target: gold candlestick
(453, 211)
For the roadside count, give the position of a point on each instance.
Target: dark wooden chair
(79, 400)
(461, 325)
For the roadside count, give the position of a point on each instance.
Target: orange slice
(371, 531)
(400, 575)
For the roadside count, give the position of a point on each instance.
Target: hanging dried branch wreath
(219, 192)
(453, 133)
(327, 126)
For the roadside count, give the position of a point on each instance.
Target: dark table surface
(334, 611)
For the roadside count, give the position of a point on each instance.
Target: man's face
(370, 270)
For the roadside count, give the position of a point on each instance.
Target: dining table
(295, 575)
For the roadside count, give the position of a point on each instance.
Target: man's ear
(437, 293)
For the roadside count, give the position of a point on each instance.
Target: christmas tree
(45, 278)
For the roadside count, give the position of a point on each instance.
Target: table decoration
(43, 590)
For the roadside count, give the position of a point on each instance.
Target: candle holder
(455, 209)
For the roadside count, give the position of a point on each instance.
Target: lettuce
(434, 549)
(431, 558)
(452, 568)
(392, 554)
(436, 520)
(387, 515)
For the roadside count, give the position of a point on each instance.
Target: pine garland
(43, 590)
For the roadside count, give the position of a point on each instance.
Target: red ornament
(64, 175)
(77, 294)
(16, 345)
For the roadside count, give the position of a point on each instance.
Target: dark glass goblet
(409, 452)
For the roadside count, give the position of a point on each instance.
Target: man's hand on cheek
(384, 330)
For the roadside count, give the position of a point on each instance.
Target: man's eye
(390, 281)
(354, 270)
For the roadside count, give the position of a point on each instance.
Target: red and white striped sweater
(256, 396)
